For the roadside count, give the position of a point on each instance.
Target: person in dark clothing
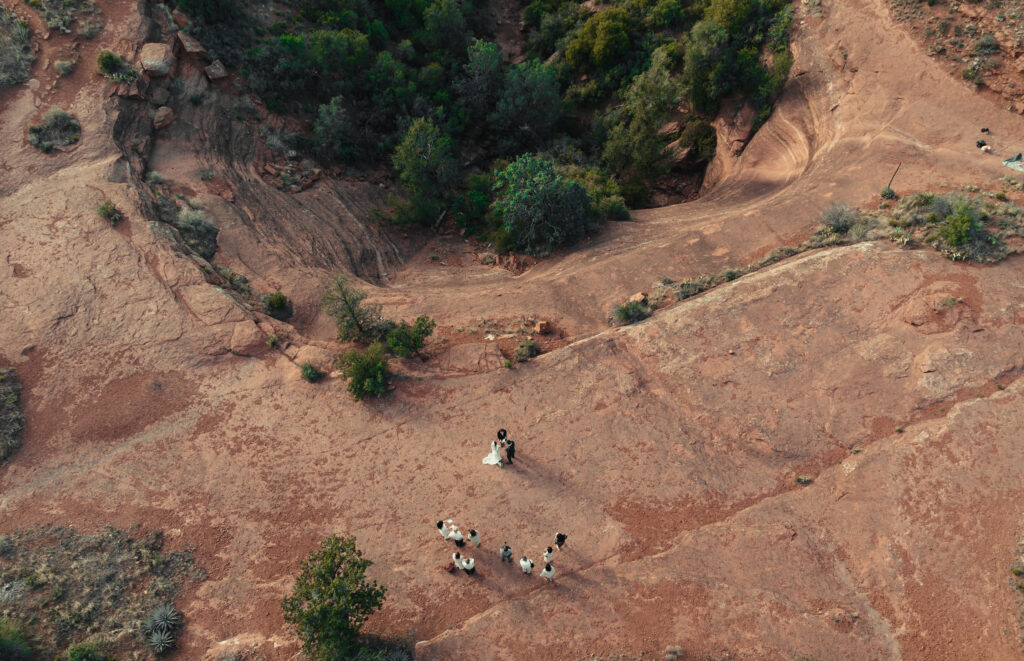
(559, 540)
(510, 450)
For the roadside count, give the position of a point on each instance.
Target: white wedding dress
(494, 458)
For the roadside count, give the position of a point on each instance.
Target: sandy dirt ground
(668, 451)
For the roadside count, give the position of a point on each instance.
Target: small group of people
(449, 531)
(503, 443)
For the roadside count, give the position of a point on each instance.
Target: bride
(494, 458)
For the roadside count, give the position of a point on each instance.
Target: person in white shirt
(443, 529)
(457, 560)
(549, 554)
(469, 566)
(456, 536)
(548, 573)
(474, 538)
(526, 564)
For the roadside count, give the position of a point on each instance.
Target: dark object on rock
(984, 130)
(981, 143)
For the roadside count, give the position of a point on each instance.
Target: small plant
(273, 341)
(899, 430)
(311, 373)
(155, 177)
(356, 321)
(16, 56)
(527, 350)
(839, 218)
(115, 68)
(277, 306)
(888, 194)
(630, 312)
(804, 479)
(15, 644)
(406, 340)
(196, 99)
(367, 371)
(508, 364)
(87, 652)
(160, 642)
(959, 226)
(949, 302)
(64, 67)
(164, 617)
(206, 174)
(58, 129)
(110, 212)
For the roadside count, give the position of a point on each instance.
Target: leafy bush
(87, 652)
(366, 370)
(11, 420)
(356, 321)
(277, 306)
(527, 350)
(528, 107)
(538, 209)
(160, 642)
(58, 129)
(406, 340)
(960, 225)
(64, 67)
(15, 644)
(311, 373)
(198, 232)
(424, 163)
(110, 212)
(331, 599)
(16, 57)
(114, 67)
(888, 194)
(630, 312)
(839, 218)
(334, 132)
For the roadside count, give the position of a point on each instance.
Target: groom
(508, 444)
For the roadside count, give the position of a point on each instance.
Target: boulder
(180, 18)
(320, 358)
(216, 71)
(162, 117)
(639, 297)
(247, 340)
(190, 44)
(156, 59)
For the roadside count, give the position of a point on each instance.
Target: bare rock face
(180, 19)
(156, 59)
(735, 124)
(216, 71)
(159, 96)
(163, 117)
(247, 340)
(471, 358)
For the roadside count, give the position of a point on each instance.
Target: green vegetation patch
(61, 15)
(58, 129)
(63, 588)
(15, 57)
(11, 420)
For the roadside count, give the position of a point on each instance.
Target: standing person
(456, 536)
(548, 573)
(548, 554)
(510, 450)
(506, 553)
(494, 458)
(443, 529)
(474, 538)
(457, 560)
(526, 564)
(559, 540)
(469, 566)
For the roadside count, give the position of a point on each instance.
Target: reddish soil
(668, 451)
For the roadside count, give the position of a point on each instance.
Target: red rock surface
(668, 451)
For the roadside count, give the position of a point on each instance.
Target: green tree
(605, 38)
(356, 321)
(331, 599)
(444, 26)
(425, 166)
(539, 209)
(335, 139)
(528, 108)
(482, 78)
(633, 148)
(367, 371)
(961, 225)
(15, 644)
(405, 340)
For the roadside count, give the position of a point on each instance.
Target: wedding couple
(494, 458)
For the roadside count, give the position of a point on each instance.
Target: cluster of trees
(418, 84)
(357, 321)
